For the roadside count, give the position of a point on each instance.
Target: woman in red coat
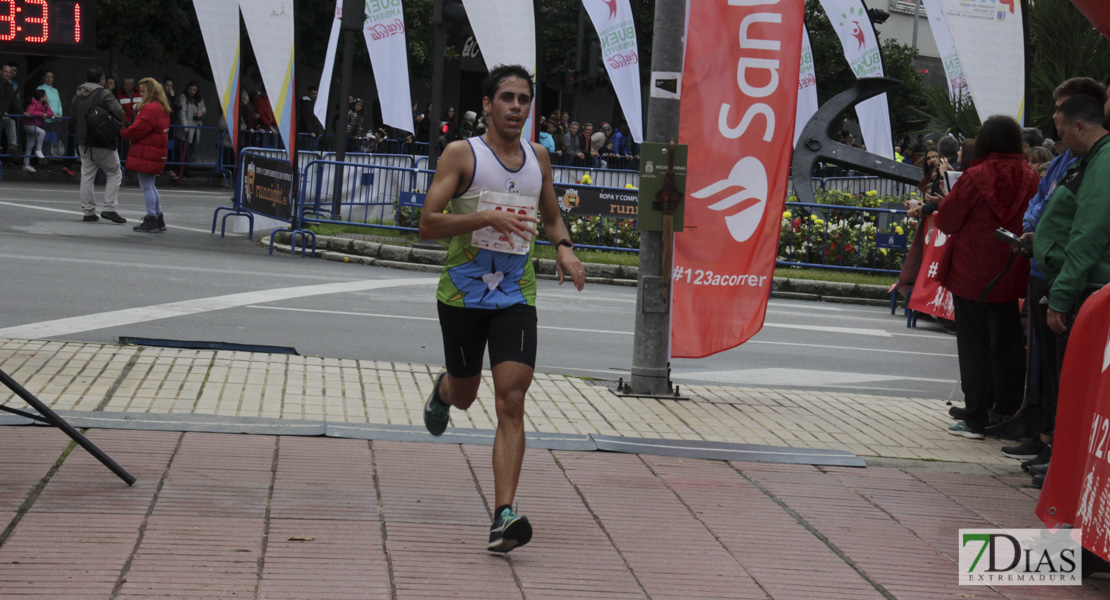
(992, 193)
(149, 136)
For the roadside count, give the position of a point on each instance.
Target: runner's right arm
(452, 176)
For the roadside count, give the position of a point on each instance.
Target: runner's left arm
(566, 263)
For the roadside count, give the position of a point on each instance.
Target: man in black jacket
(306, 119)
(90, 94)
(9, 104)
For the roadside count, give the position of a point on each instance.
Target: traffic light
(443, 127)
(570, 77)
(595, 65)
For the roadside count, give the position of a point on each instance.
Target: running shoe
(509, 530)
(436, 411)
(961, 429)
(1027, 450)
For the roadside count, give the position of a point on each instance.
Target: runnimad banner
(1077, 491)
(739, 89)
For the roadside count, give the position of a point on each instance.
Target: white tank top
(491, 175)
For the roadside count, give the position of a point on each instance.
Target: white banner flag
(807, 88)
(857, 37)
(219, 26)
(613, 21)
(991, 44)
(320, 109)
(957, 85)
(506, 33)
(384, 30)
(270, 26)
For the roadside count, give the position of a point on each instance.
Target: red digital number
(77, 22)
(10, 20)
(42, 20)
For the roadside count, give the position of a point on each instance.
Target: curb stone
(372, 252)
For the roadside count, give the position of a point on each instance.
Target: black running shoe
(1040, 459)
(957, 412)
(508, 531)
(90, 218)
(436, 411)
(1027, 450)
(113, 216)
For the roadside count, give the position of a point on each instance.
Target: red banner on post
(929, 296)
(739, 92)
(1077, 491)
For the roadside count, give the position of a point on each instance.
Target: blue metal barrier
(369, 194)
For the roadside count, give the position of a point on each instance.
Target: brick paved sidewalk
(128, 379)
(246, 516)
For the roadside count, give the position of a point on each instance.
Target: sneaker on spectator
(113, 216)
(508, 531)
(90, 218)
(68, 171)
(1027, 450)
(1040, 459)
(961, 429)
(39, 154)
(1038, 480)
(1039, 469)
(28, 169)
(171, 175)
(957, 412)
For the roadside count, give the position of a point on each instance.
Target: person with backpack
(149, 137)
(99, 119)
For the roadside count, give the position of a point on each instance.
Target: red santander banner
(929, 296)
(1077, 491)
(739, 93)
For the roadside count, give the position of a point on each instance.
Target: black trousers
(991, 348)
(1049, 351)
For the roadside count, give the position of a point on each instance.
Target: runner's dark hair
(502, 72)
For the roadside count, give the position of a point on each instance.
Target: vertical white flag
(613, 21)
(807, 88)
(506, 33)
(219, 26)
(270, 26)
(991, 43)
(384, 30)
(320, 109)
(957, 85)
(861, 48)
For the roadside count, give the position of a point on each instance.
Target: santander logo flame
(1009, 3)
(750, 200)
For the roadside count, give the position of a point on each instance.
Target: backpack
(101, 126)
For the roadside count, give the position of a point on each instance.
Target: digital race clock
(48, 27)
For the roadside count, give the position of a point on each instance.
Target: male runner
(487, 291)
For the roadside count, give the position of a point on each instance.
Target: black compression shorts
(510, 333)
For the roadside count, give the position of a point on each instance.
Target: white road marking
(124, 190)
(822, 328)
(79, 213)
(795, 377)
(143, 314)
(883, 350)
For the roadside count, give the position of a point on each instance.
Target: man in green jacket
(1071, 246)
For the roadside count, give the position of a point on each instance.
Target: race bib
(488, 238)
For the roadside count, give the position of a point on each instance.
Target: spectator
(174, 99)
(192, 111)
(1033, 137)
(1038, 158)
(575, 148)
(248, 120)
(992, 193)
(949, 149)
(355, 116)
(451, 120)
(1071, 246)
(545, 138)
(559, 141)
(149, 136)
(129, 97)
(89, 94)
(597, 142)
(966, 155)
(34, 117)
(9, 104)
(306, 118)
(423, 124)
(466, 130)
(110, 85)
(1038, 450)
(54, 100)
(267, 122)
(14, 66)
